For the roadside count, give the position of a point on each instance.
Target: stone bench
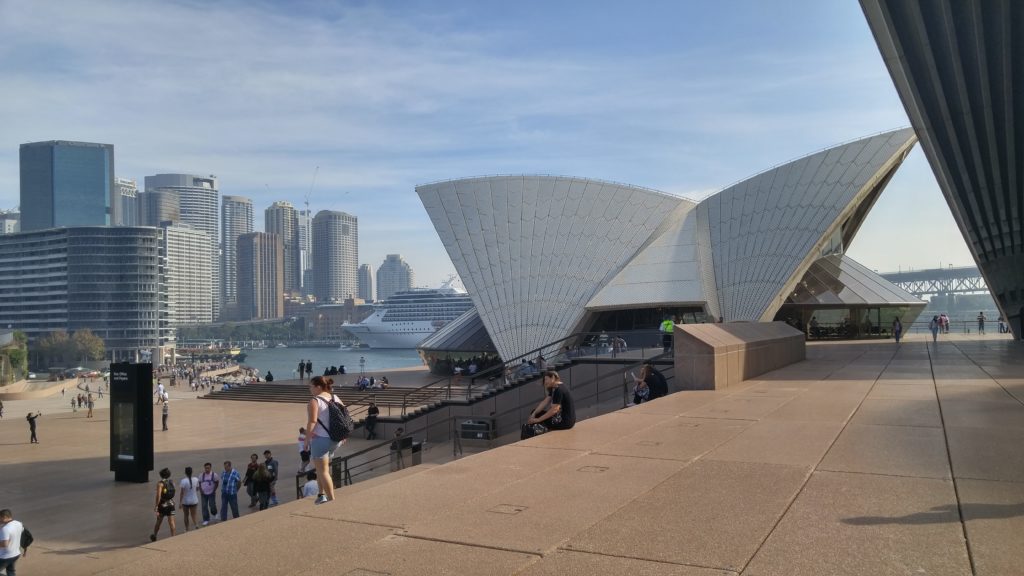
(716, 356)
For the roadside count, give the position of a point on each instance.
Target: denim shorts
(322, 446)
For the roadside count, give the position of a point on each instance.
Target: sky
(375, 98)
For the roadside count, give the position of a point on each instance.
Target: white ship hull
(381, 336)
(407, 317)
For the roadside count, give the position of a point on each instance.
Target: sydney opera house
(547, 256)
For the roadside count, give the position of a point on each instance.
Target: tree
(18, 357)
(88, 346)
(54, 348)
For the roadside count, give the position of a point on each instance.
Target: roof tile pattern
(767, 230)
(533, 250)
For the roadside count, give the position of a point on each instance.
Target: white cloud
(383, 98)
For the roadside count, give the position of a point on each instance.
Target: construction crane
(313, 183)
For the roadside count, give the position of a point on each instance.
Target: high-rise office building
(128, 196)
(236, 218)
(157, 206)
(304, 219)
(199, 203)
(67, 184)
(335, 256)
(189, 298)
(260, 276)
(281, 219)
(394, 275)
(366, 283)
(105, 279)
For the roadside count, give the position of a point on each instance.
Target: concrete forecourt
(867, 458)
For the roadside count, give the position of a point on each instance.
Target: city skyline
(680, 97)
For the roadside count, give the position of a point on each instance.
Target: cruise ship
(407, 317)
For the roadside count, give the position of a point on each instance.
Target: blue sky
(685, 97)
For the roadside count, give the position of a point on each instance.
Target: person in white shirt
(189, 490)
(10, 541)
(311, 488)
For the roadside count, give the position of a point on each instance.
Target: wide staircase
(404, 401)
(407, 403)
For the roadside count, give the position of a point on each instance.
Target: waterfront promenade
(868, 458)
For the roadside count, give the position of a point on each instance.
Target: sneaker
(152, 537)
(206, 522)
(321, 499)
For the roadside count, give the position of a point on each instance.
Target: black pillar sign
(131, 421)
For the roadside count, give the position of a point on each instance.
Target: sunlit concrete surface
(867, 458)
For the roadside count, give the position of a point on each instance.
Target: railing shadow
(943, 514)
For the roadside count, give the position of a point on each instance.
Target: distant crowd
(197, 495)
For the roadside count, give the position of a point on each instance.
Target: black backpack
(168, 493)
(340, 421)
(26, 539)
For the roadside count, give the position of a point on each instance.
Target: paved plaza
(868, 458)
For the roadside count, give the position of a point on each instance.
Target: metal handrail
(557, 346)
(344, 472)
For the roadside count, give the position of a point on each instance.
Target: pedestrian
(934, 327)
(666, 333)
(310, 488)
(189, 489)
(261, 482)
(208, 483)
(74, 405)
(89, 403)
(10, 541)
(897, 329)
(371, 421)
(250, 488)
(273, 468)
(309, 368)
(32, 426)
(981, 322)
(555, 412)
(1, 408)
(229, 483)
(164, 413)
(164, 506)
(301, 369)
(318, 440)
(655, 383)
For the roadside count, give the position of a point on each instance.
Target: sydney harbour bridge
(940, 281)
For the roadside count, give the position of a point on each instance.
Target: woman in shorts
(164, 503)
(189, 490)
(318, 440)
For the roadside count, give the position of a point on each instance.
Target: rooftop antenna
(313, 183)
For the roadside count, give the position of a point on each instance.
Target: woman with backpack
(164, 503)
(318, 434)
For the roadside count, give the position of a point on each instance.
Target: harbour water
(283, 361)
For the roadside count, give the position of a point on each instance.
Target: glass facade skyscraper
(67, 184)
(235, 220)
